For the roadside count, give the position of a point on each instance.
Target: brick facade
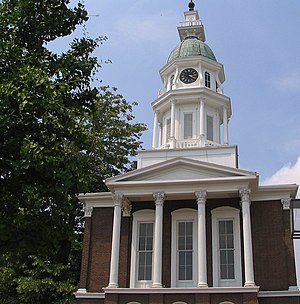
(273, 256)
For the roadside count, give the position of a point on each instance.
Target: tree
(61, 135)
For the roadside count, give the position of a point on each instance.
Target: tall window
(168, 129)
(188, 125)
(210, 127)
(184, 248)
(185, 251)
(207, 79)
(226, 247)
(142, 249)
(145, 251)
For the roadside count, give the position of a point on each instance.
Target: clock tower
(191, 112)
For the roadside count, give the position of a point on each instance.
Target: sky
(257, 41)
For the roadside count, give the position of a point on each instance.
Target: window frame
(226, 213)
(183, 215)
(207, 79)
(141, 216)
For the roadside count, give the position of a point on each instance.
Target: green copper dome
(192, 46)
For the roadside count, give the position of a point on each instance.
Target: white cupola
(191, 111)
(191, 106)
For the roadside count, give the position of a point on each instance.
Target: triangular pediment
(178, 169)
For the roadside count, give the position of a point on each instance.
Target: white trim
(89, 295)
(177, 216)
(278, 293)
(145, 215)
(187, 290)
(226, 213)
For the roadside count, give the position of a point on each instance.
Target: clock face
(188, 75)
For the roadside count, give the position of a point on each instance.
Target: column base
(202, 285)
(157, 285)
(112, 285)
(249, 284)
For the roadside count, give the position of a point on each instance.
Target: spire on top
(191, 5)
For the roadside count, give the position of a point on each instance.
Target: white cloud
(288, 174)
(289, 82)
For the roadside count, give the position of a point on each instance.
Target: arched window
(142, 249)
(133, 303)
(179, 302)
(227, 270)
(184, 248)
(207, 79)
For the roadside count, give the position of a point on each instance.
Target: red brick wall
(269, 247)
(280, 300)
(100, 249)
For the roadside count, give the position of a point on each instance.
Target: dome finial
(191, 5)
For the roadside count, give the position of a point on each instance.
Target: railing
(189, 143)
(190, 23)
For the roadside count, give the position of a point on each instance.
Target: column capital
(245, 194)
(88, 210)
(118, 199)
(286, 203)
(201, 196)
(126, 207)
(159, 198)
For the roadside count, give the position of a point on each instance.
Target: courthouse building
(188, 226)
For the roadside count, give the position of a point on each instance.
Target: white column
(202, 118)
(202, 263)
(247, 235)
(115, 248)
(157, 250)
(154, 138)
(172, 119)
(225, 126)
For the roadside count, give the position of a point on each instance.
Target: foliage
(60, 135)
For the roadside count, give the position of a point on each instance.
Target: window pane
(223, 272)
(229, 227)
(230, 241)
(189, 273)
(230, 272)
(222, 241)
(142, 243)
(189, 228)
(189, 243)
(188, 125)
(222, 257)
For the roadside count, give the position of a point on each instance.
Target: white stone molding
(126, 208)
(155, 131)
(202, 117)
(247, 234)
(286, 203)
(159, 198)
(88, 210)
(225, 126)
(173, 104)
(115, 246)
(202, 263)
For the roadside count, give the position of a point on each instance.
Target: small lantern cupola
(191, 107)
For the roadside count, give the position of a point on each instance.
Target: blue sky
(258, 43)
